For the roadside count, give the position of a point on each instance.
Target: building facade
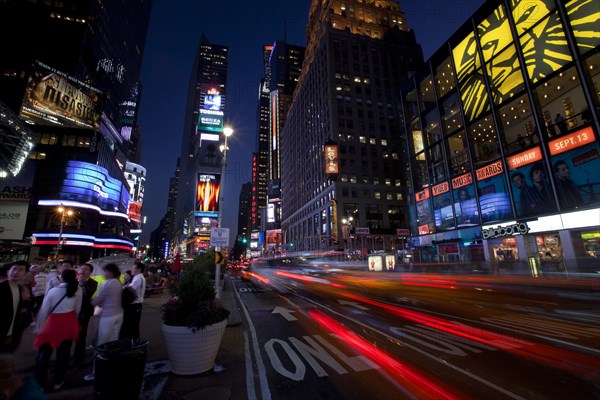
(357, 56)
(70, 76)
(201, 176)
(501, 127)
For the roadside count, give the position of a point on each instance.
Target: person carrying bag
(57, 327)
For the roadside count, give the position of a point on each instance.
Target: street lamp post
(63, 218)
(227, 131)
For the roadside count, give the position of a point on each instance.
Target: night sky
(245, 26)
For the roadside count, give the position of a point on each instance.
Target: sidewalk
(159, 383)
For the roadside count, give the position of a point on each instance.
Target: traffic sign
(219, 237)
(218, 257)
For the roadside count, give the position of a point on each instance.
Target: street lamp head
(70, 212)
(61, 209)
(228, 131)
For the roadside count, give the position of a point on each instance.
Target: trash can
(119, 369)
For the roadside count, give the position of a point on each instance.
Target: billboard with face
(54, 98)
(207, 193)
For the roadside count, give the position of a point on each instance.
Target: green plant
(193, 303)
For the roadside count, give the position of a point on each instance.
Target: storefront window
(587, 250)
(550, 252)
(451, 114)
(504, 249)
(457, 153)
(562, 101)
(421, 175)
(584, 16)
(444, 77)
(483, 140)
(545, 48)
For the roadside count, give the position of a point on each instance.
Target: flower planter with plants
(193, 322)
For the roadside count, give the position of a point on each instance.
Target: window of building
(362, 139)
(518, 130)
(457, 153)
(416, 136)
(451, 114)
(444, 78)
(372, 140)
(483, 141)
(411, 106)
(438, 165)
(562, 101)
(427, 93)
(505, 75)
(431, 125)
(592, 63)
(384, 142)
(48, 138)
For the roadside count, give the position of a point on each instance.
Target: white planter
(191, 352)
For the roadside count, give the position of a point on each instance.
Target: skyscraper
(358, 54)
(201, 158)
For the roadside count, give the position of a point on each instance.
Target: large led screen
(91, 184)
(210, 113)
(207, 193)
(494, 200)
(54, 98)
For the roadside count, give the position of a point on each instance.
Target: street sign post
(219, 237)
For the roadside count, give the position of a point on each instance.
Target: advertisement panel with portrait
(530, 182)
(465, 204)
(576, 169)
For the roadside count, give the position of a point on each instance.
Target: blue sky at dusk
(245, 26)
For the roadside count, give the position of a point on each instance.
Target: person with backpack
(133, 309)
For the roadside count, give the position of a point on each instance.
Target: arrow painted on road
(352, 303)
(285, 313)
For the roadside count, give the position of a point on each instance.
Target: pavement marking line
(262, 372)
(250, 391)
(423, 352)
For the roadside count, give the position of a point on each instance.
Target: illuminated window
(584, 17)
(505, 75)
(526, 13)
(466, 58)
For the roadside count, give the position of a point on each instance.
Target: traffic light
(244, 240)
(292, 244)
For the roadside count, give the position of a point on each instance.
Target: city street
(364, 335)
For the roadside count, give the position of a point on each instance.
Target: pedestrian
(559, 120)
(111, 317)
(88, 287)
(15, 316)
(57, 328)
(38, 290)
(55, 281)
(133, 311)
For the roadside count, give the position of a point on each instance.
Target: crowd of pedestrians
(57, 303)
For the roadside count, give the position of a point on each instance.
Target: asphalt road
(355, 335)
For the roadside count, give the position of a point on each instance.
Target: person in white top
(54, 281)
(111, 317)
(57, 327)
(133, 312)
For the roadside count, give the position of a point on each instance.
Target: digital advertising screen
(135, 214)
(494, 199)
(90, 183)
(207, 193)
(54, 98)
(210, 113)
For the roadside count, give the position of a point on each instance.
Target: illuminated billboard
(135, 214)
(210, 113)
(331, 159)
(207, 193)
(54, 98)
(92, 184)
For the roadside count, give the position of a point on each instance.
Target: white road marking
(250, 391)
(285, 313)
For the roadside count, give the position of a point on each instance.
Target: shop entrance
(550, 252)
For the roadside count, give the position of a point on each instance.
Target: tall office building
(358, 54)
(285, 63)
(260, 163)
(504, 160)
(201, 158)
(70, 76)
(245, 201)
